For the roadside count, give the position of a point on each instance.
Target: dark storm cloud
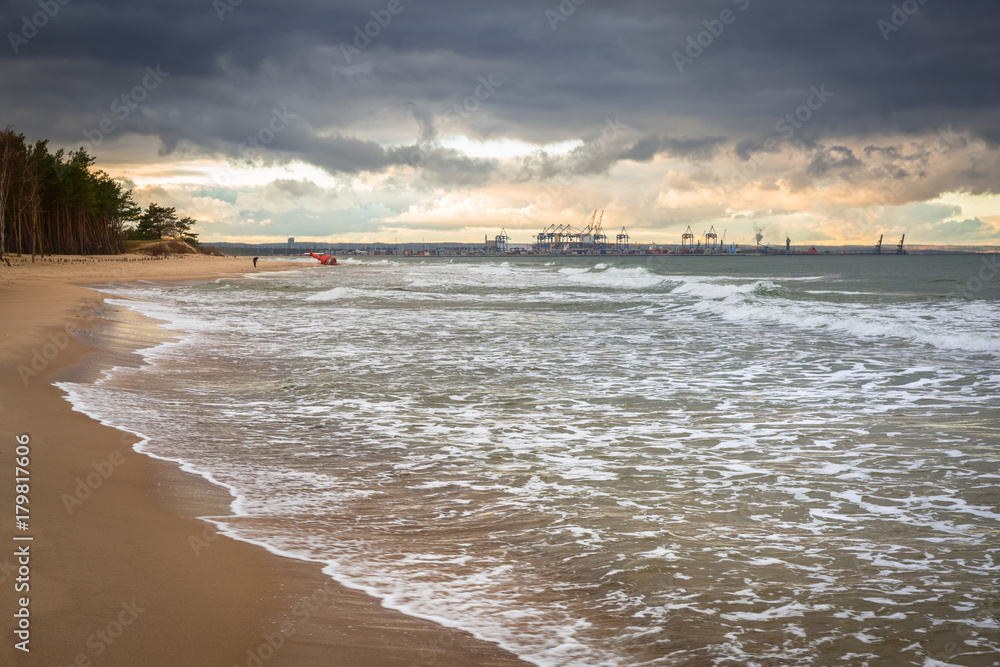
(350, 155)
(297, 189)
(561, 78)
(648, 147)
(836, 158)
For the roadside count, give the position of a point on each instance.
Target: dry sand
(128, 575)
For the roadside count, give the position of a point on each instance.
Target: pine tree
(157, 223)
(184, 226)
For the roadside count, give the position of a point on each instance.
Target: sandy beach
(120, 570)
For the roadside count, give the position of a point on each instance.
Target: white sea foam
(338, 294)
(615, 278)
(756, 302)
(708, 290)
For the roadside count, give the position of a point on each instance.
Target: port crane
(621, 241)
(600, 238)
(711, 238)
(687, 240)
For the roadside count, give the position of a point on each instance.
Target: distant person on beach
(255, 262)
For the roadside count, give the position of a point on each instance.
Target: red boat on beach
(326, 260)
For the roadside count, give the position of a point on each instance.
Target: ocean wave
(706, 290)
(340, 294)
(616, 278)
(367, 262)
(947, 328)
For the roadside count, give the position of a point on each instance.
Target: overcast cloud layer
(830, 120)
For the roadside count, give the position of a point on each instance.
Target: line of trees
(54, 203)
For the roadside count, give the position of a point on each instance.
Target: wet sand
(121, 570)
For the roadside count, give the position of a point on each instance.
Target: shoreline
(121, 569)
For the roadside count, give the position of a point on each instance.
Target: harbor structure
(711, 240)
(687, 241)
(500, 243)
(591, 239)
(900, 250)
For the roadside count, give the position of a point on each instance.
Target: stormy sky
(829, 121)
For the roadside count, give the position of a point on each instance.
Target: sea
(604, 461)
